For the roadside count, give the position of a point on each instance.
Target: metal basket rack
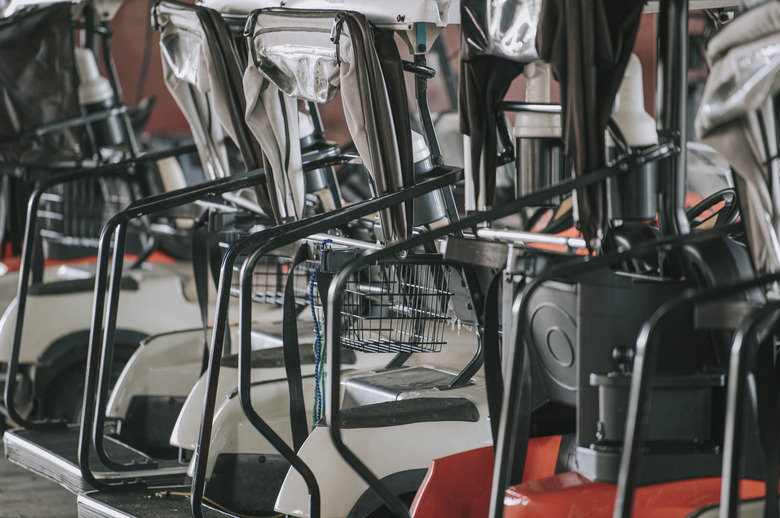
(269, 279)
(396, 308)
(74, 213)
(393, 306)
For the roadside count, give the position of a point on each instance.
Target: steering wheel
(727, 214)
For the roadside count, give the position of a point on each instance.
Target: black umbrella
(588, 43)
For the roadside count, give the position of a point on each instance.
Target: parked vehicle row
(588, 331)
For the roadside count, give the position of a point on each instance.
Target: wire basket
(394, 308)
(269, 279)
(73, 214)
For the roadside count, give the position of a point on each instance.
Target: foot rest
(152, 502)
(53, 454)
(408, 411)
(385, 386)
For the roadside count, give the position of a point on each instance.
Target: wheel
(63, 397)
(384, 512)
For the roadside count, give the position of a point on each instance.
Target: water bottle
(96, 95)
(429, 207)
(633, 196)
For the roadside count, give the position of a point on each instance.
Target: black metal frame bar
(27, 265)
(99, 354)
(744, 352)
(422, 73)
(246, 276)
(335, 295)
(672, 93)
(53, 127)
(511, 446)
(421, 91)
(333, 336)
(105, 361)
(644, 366)
(269, 240)
(94, 409)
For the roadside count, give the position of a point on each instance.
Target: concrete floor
(24, 495)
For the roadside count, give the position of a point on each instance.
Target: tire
(384, 512)
(63, 397)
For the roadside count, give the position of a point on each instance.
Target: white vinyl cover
(745, 61)
(185, 63)
(273, 119)
(737, 118)
(502, 28)
(293, 49)
(285, 57)
(297, 55)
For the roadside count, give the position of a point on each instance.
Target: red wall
(132, 30)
